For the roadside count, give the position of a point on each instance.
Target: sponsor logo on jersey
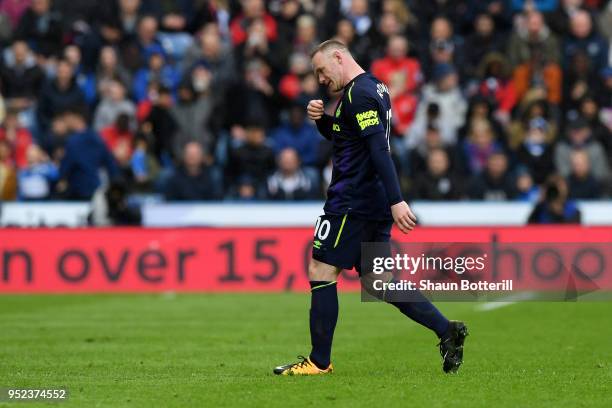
(367, 118)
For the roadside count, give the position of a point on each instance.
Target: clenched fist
(315, 109)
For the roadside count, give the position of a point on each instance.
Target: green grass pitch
(201, 350)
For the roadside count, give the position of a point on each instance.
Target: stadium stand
(495, 100)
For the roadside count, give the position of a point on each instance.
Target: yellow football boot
(303, 367)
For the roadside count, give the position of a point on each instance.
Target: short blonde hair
(332, 44)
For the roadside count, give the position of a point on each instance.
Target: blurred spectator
(210, 52)
(247, 189)
(534, 53)
(485, 40)
(20, 77)
(257, 45)
(287, 16)
(37, 179)
(309, 87)
(161, 125)
(253, 161)
(144, 42)
(590, 111)
(119, 139)
(72, 54)
(583, 36)
(444, 47)
(495, 183)
(554, 206)
(174, 16)
(444, 93)
(499, 10)
(13, 10)
(580, 137)
(397, 17)
(428, 10)
(306, 35)
(580, 80)
(59, 94)
(157, 70)
(17, 137)
(258, 99)
(479, 146)
(359, 46)
(289, 182)
(420, 153)
(289, 86)
(85, 155)
(533, 106)
(536, 153)
(481, 108)
(604, 92)
(252, 10)
(112, 105)
(128, 15)
(75, 14)
(403, 77)
(144, 166)
(559, 19)
(42, 28)
(582, 185)
(497, 85)
(299, 135)
(193, 113)
(358, 14)
(193, 179)
(119, 211)
(526, 189)
(438, 182)
(108, 71)
(605, 21)
(8, 176)
(54, 141)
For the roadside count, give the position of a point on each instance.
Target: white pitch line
(487, 307)
(508, 300)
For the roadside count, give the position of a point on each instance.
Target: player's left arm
(381, 157)
(369, 123)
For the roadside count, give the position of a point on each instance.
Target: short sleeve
(364, 111)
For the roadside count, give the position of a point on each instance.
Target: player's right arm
(324, 122)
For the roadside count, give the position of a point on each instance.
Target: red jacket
(238, 29)
(404, 108)
(389, 69)
(504, 93)
(112, 137)
(19, 146)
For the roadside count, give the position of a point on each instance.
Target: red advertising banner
(225, 259)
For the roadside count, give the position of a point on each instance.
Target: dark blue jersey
(361, 156)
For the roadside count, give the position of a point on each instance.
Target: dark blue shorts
(337, 239)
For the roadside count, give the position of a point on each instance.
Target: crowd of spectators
(205, 99)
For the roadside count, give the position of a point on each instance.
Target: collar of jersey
(353, 80)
